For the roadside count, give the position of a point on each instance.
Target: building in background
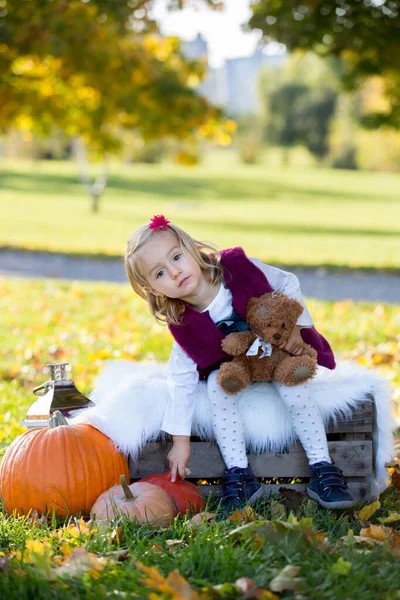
(234, 86)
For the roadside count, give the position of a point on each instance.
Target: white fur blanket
(131, 398)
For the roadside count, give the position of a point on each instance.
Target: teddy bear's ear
(295, 308)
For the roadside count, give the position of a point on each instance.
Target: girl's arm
(288, 283)
(182, 380)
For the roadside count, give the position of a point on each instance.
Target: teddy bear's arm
(238, 342)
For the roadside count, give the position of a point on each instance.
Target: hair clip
(158, 223)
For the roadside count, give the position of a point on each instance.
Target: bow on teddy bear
(271, 319)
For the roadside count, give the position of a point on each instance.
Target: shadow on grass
(197, 187)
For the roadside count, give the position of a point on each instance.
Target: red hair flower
(158, 223)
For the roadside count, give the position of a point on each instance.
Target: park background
(105, 119)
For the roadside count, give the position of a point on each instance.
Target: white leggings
(228, 423)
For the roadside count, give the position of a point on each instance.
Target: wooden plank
(353, 457)
(360, 490)
(360, 422)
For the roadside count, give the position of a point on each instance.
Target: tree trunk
(96, 188)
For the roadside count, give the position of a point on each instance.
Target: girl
(201, 294)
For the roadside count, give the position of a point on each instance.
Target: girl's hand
(178, 456)
(294, 345)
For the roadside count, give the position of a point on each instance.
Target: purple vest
(201, 339)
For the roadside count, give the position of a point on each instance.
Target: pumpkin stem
(125, 487)
(57, 419)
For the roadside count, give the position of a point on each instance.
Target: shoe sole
(334, 505)
(256, 496)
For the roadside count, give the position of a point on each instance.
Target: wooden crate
(350, 445)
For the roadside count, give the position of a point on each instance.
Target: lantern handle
(45, 386)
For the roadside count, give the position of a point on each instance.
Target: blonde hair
(166, 309)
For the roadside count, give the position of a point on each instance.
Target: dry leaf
(172, 543)
(243, 516)
(199, 519)
(366, 513)
(174, 585)
(376, 532)
(248, 588)
(78, 562)
(286, 580)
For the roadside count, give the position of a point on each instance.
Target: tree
(301, 115)
(364, 34)
(95, 67)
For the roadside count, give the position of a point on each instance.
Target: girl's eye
(283, 325)
(159, 274)
(177, 257)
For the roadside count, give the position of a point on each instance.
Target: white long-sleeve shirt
(182, 373)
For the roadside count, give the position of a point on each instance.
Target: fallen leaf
(199, 519)
(174, 585)
(366, 513)
(376, 532)
(243, 516)
(391, 518)
(172, 543)
(78, 562)
(248, 588)
(286, 580)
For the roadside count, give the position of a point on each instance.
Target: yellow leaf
(367, 512)
(244, 515)
(376, 532)
(391, 518)
(174, 585)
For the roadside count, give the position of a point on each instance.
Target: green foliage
(94, 68)
(300, 115)
(364, 35)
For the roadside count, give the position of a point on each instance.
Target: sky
(221, 29)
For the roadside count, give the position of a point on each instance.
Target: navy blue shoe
(328, 487)
(239, 488)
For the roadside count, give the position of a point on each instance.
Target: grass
(293, 216)
(87, 323)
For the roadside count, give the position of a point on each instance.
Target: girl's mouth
(184, 280)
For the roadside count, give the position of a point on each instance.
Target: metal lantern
(59, 393)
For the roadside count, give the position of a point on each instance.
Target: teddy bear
(271, 319)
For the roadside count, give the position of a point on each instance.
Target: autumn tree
(364, 34)
(95, 67)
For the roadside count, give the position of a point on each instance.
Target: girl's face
(168, 270)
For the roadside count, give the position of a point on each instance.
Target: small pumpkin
(141, 502)
(185, 496)
(62, 468)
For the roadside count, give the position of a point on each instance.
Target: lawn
(87, 323)
(293, 216)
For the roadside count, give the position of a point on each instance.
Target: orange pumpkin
(141, 502)
(63, 468)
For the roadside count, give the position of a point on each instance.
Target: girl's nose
(175, 271)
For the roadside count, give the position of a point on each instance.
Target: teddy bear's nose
(277, 336)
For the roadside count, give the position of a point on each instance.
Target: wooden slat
(360, 490)
(353, 457)
(360, 422)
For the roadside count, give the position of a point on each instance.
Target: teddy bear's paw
(302, 372)
(231, 385)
